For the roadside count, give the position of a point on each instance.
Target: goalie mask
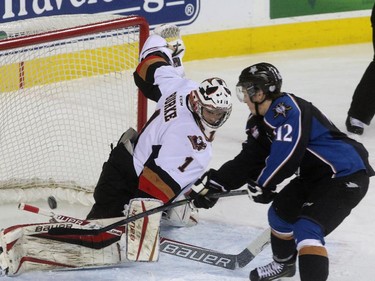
(262, 76)
(211, 104)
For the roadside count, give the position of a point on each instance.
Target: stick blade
(198, 254)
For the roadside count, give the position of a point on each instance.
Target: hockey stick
(180, 249)
(215, 258)
(97, 231)
(77, 231)
(63, 218)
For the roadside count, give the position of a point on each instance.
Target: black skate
(273, 271)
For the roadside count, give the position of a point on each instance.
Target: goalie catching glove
(171, 34)
(258, 194)
(203, 189)
(175, 44)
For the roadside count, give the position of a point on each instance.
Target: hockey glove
(258, 194)
(201, 195)
(171, 33)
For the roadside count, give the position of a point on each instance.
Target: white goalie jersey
(171, 152)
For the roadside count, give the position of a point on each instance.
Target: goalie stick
(181, 249)
(97, 231)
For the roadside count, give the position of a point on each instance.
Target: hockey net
(66, 93)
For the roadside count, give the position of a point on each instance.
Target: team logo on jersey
(281, 109)
(254, 132)
(197, 142)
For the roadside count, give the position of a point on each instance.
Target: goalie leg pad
(143, 234)
(30, 247)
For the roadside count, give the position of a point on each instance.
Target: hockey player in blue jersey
(288, 135)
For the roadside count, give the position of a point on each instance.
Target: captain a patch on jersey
(281, 109)
(254, 131)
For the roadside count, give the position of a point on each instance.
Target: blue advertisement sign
(180, 12)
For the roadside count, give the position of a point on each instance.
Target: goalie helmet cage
(66, 93)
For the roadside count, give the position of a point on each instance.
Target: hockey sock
(283, 248)
(313, 263)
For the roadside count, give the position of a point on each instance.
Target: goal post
(66, 94)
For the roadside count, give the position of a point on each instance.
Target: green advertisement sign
(293, 8)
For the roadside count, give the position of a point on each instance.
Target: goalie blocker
(29, 247)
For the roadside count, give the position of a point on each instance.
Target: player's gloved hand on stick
(258, 194)
(203, 189)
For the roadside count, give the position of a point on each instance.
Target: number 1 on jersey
(188, 160)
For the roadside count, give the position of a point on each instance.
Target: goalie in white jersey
(174, 148)
(143, 171)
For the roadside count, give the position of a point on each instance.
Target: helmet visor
(246, 88)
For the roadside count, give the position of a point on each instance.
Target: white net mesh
(62, 103)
